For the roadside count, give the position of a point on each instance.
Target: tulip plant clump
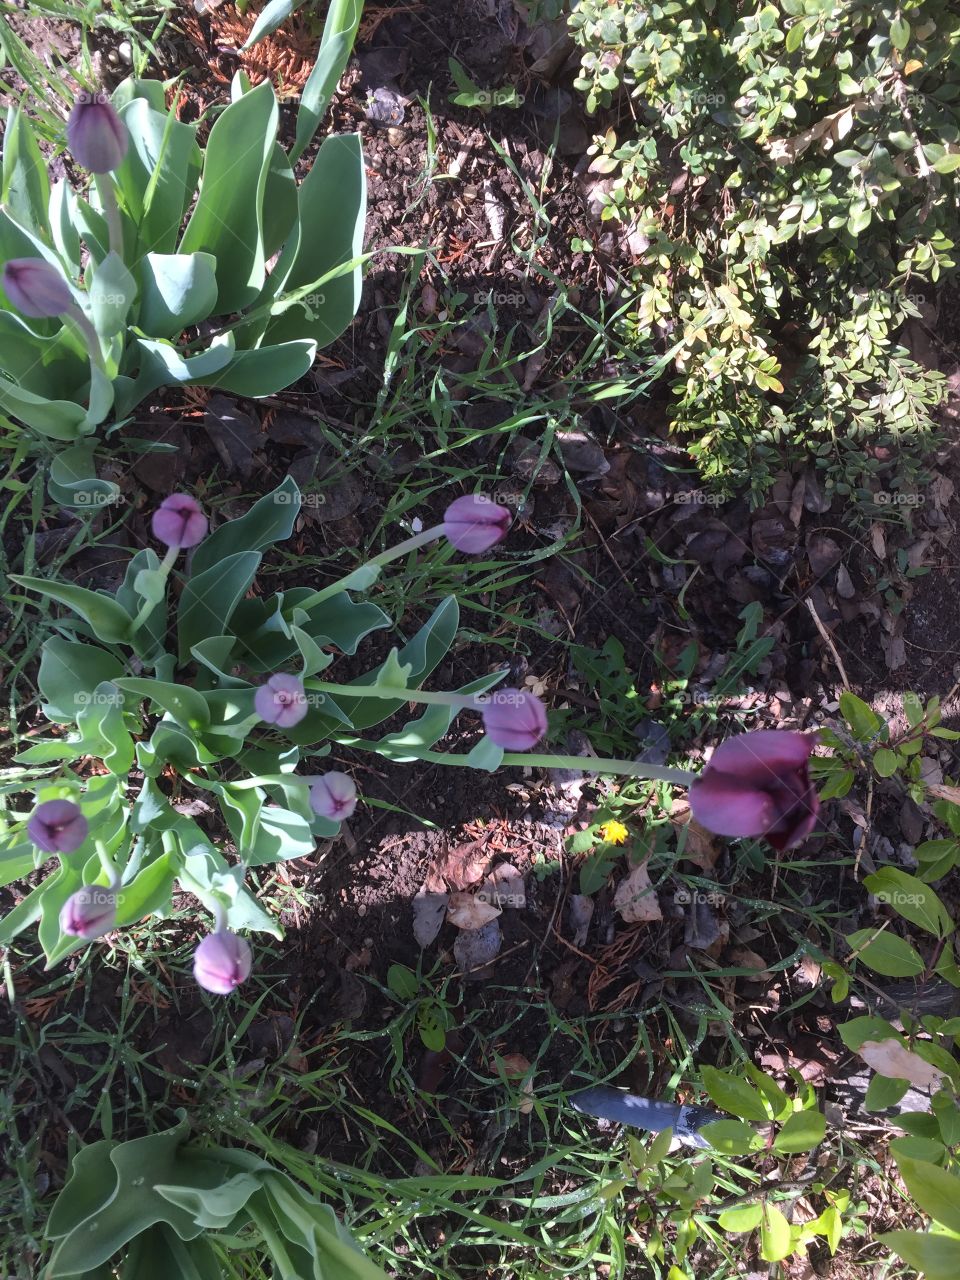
(158, 273)
(206, 693)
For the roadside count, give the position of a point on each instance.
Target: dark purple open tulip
(179, 521)
(57, 826)
(222, 961)
(36, 288)
(513, 719)
(474, 523)
(96, 136)
(758, 784)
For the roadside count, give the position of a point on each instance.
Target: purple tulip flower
(36, 288)
(221, 962)
(758, 784)
(96, 136)
(474, 523)
(281, 701)
(513, 719)
(179, 521)
(89, 913)
(57, 826)
(334, 796)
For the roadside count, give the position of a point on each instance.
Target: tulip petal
(763, 757)
(730, 806)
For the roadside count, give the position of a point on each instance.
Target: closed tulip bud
(179, 521)
(36, 288)
(334, 796)
(514, 719)
(221, 962)
(281, 701)
(758, 784)
(475, 524)
(96, 136)
(57, 826)
(89, 913)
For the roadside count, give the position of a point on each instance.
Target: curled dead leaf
(470, 911)
(636, 899)
(890, 1058)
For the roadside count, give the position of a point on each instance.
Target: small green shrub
(789, 173)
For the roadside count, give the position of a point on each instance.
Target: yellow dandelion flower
(614, 832)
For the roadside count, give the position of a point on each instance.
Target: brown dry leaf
(699, 845)
(890, 1058)
(429, 909)
(744, 958)
(635, 898)
(878, 541)
(470, 911)
(581, 913)
(504, 887)
(942, 792)
(463, 866)
(831, 127)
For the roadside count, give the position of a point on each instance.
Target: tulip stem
(74, 318)
(219, 916)
(108, 865)
(392, 553)
(148, 606)
(111, 211)
(395, 693)
(581, 764)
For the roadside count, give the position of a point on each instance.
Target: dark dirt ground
(890, 630)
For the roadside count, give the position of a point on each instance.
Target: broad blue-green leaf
(148, 639)
(269, 520)
(57, 889)
(17, 859)
(24, 185)
(280, 206)
(149, 890)
(69, 668)
(62, 223)
(187, 707)
(131, 1209)
(339, 34)
(176, 290)
(273, 15)
(160, 170)
(108, 619)
(209, 598)
(266, 370)
(103, 732)
(227, 218)
(74, 483)
(48, 365)
(331, 236)
(111, 290)
(58, 419)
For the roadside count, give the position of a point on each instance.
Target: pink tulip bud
(179, 521)
(36, 287)
(221, 962)
(513, 719)
(758, 784)
(96, 136)
(474, 523)
(281, 701)
(89, 913)
(334, 796)
(57, 826)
